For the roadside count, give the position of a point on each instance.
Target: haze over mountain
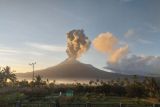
(71, 69)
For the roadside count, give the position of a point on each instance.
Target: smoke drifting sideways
(109, 44)
(77, 43)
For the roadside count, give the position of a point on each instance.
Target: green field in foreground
(12, 99)
(107, 99)
(81, 98)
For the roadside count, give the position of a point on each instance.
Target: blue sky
(35, 30)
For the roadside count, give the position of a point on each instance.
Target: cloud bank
(141, 65)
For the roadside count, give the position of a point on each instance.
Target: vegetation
(120, 90)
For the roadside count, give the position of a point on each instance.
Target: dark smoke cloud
(77, 43)
(140, 65)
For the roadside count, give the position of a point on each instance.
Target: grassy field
(80, 98)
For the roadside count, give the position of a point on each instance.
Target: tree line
(128, 87)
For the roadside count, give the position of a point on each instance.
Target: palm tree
(97, 81)
(118, 80)
(1, 78)
(6, 74)
(154, 88)
(126, 81)
(38, 80)
(91, 82)
(23, 83)
(135, 79)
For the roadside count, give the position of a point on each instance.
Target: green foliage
(12, 97)
(97, 90)
(135, 90)
(7, 75)
(23, 83)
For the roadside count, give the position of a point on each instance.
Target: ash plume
(108, 43)
(77, 43)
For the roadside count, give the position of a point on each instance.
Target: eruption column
(77, 43)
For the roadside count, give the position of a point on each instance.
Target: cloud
(118, 58)
(140, 65)
(118, 54)
(109, 44)
(130, 33)
(143, 41)
(6, 50)
(46, 47)
(15, 51)
(34, 53)
(105, 42)
(154, 29)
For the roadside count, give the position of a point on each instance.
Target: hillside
(73, 70)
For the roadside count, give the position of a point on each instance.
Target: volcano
(71, 69)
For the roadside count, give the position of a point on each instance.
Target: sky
(35, 30)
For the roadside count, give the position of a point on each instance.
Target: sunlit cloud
(118, 54)
(46, 47)
(109, 44)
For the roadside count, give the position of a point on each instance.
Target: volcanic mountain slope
(73, 69)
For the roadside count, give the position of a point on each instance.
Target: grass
(80, 98)
(100, 98)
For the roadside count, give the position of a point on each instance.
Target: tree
(153, 87)
(5, 75)
(135, 90)
(1, 77)
(91, 82)
(126, 81)
(38, 81)
(23, 83)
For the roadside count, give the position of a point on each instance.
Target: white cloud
(34, 53)
(4, 50)
(130, 33)
(47, 47)
(141, 65)
(143, 41)
(154, 28)
(15, 51)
